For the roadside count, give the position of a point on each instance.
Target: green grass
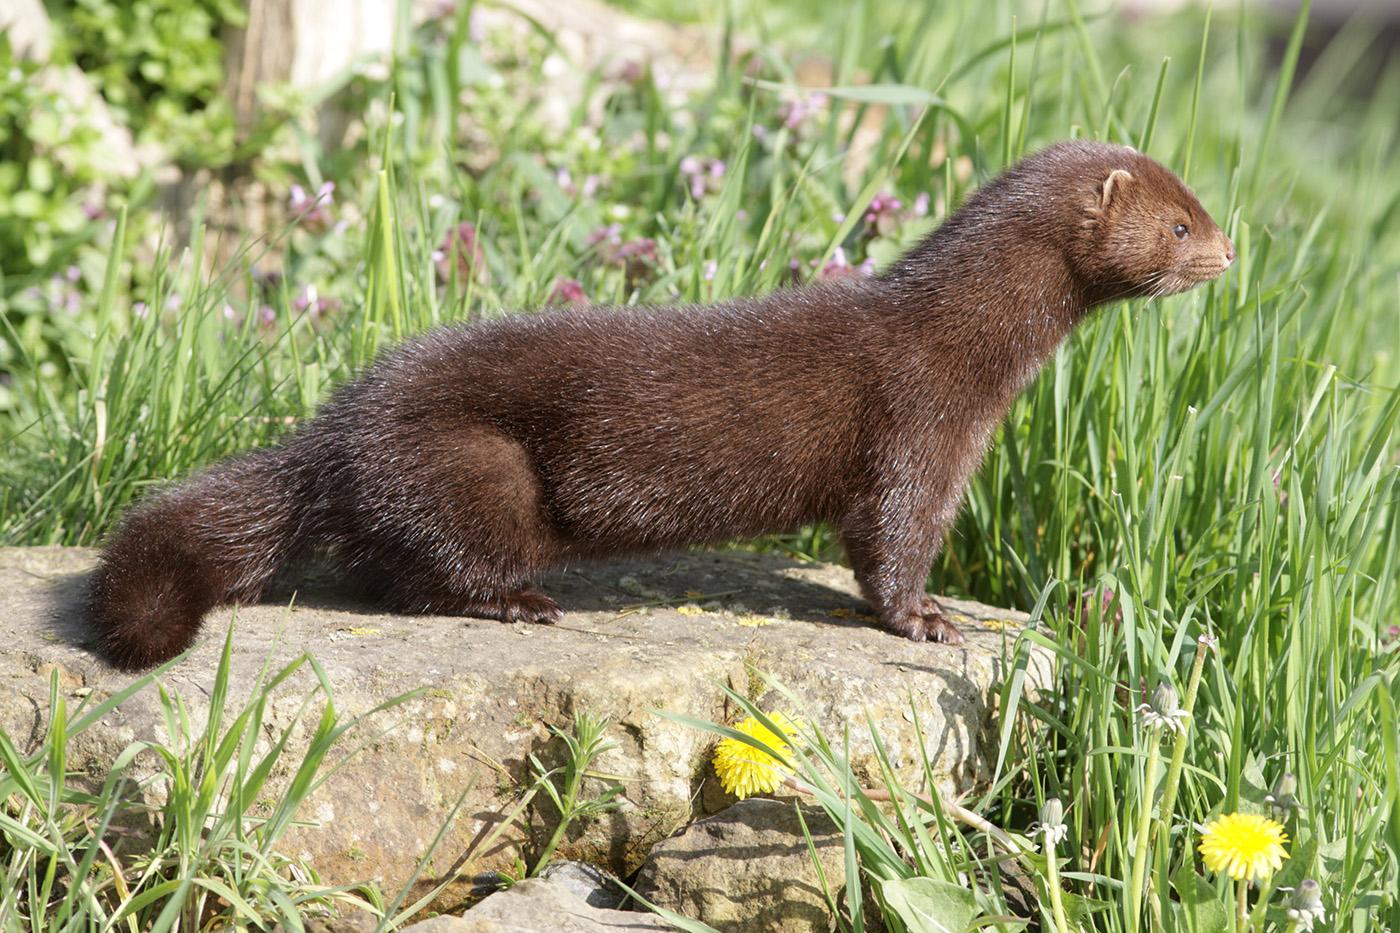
(208, 852)
(1223, 462)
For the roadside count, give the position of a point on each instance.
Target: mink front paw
(926, 623)
(908, 624)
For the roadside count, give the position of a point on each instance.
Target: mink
(462, 464)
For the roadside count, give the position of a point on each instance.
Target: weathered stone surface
(749, 868)
(635, 640)
(589, 883)
(539, 905)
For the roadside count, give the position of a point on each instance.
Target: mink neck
(992, 292)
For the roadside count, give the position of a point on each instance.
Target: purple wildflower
(837, 267)
(442, 9)
(312, 213)
(567, 292)
(797, 112)
(1106, 598)
(637, 257)
(565, 180)
(711, 268)
(882, 216)
(702, 176)
(630, 71)
(140, 310)
(470, 262)
(316, 306)
(609, 236)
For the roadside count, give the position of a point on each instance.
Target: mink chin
(461, 465)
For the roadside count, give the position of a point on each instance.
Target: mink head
(1143, 233)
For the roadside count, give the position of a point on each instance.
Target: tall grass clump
(1212, 472)
(183, 833)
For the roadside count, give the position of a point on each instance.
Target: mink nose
(1229, 251)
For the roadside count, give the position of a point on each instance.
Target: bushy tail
(216, 538)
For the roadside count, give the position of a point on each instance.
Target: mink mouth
(1179, 280)
(1204, 271)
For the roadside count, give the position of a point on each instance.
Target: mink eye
(1181, 231)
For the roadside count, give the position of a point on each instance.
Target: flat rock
(539, 905)
(749, 867)
(591, 884)
(637, 638)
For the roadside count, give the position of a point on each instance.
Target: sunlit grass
(1223, 462)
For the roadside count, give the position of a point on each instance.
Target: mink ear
(1112, 185)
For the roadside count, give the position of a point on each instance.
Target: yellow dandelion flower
(745, 770)
(1246, 846)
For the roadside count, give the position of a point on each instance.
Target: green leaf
(1199, 907)
(928, 904)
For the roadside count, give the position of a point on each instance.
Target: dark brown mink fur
(464, 463)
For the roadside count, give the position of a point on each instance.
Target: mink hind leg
(455, 525)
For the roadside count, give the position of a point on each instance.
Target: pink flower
(797, 112)
(312, 213)
(461, 252)
(711, 268)
(702, 176)
(630, 71)
(837, 267)
(882, 216)
(637, 257)
(611, 235)
(588, 189)
(1106, 598)
(442, 9)
(267, 318)
(314, 305)
(921, 204)
(567, 292)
